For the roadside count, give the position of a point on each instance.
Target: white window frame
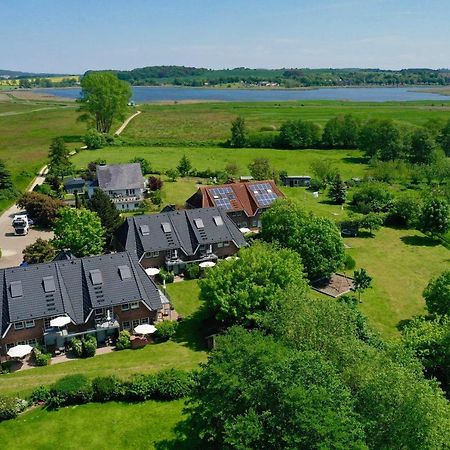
(30, 323)
(135, 323)
(19, 325)
(145, 320)
(125, 307)
(226, 244)
(134, 305)
(152, 254)
(126, 325)
(219, 244)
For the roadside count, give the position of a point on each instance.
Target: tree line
(383, 139)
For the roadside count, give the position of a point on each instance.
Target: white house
(124, 184)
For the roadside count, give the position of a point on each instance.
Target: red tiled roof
(244, 198)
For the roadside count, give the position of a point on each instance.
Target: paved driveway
(12, 245)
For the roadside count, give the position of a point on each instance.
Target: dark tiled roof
(184, 233)
(74, 292)
(120, 176)
(234, 196)
(72, 183)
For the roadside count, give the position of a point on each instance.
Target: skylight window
(96, 277)
(49, 284)
(199, 223)
(218, 220)
(166, 227)
(145, 230)
(124, 272)
(16, 289)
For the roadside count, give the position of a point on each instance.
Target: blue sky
(74, 36)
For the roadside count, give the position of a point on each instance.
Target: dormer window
(96, 277)
(166, 227)
(49, 284)
(218, 220)
(124, 272)
(145, 230)
(199, 223)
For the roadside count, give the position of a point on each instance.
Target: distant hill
(19, 74)
(303, 77)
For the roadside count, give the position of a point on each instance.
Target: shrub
(155, 183)
(145, 165)
(406, 210)
(262, 140)
(173, 384)
(168, 277)
(349, 262)
(166, 330)
(156, 197)
(85, 347)
(372, 197)
(192, 271)
(42, 359)
(123, 341)
(89, 346)
(141, 387)
(40, 394)
(10, 407)
(93, 139)
(5, 367)
(106, 388)
(70, 390)
(77, 347)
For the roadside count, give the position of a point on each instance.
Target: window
(145, 230)
(29, 323)
(166, 227)
(49, 284)
(99, 312)
(126, 325)
(218, 220)
(136, 205)
(124, 272)
(134, 305)
(16, 289)
(220, 244)
(47, 322)
(152, 254)
(226, 244)
(19, 326)
(22, 343)
(125, 307)
(32, 342)
(11, 345)
(199, 223)
(145, 320)
(96, 277)
(135, 323)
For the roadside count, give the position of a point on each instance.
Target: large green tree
(260, 169)
(422, 146)
(104, 99)
(60, 164)
(101, 204)
(239, 135)
(316, 239)
(184, 166)
(299, 134)
(241, 290)
(437, 294)
(341, 132)
(255, 393)
(435, 216)
(80, 231)
(41, 208)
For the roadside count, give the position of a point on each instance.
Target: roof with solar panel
(182, 230)
(249, 197)
(74, 287)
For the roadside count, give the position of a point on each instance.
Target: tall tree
(104, 99)
(239, 136)
(437, 294)
(362, 281)
(80, 231)
(242, 290)
(5, 177)
(436, 216)
(184, 166)
(299, 134)
(101, 204)
(338, 190)
(60, 164)
(422, 146)
(444, 138)
(260, 169)
(316, 239)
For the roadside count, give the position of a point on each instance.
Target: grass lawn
(350, 163)
(185, 353)
(210, 122)
(94, 426)
(401, 263)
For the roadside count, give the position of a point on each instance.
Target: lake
(158, 94)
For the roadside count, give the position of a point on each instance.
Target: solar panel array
(222, 197)
(263, 193)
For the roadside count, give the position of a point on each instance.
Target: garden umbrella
(60, 321)
(152, 271)
(206, 264)
(19, 351)
(145, 328)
